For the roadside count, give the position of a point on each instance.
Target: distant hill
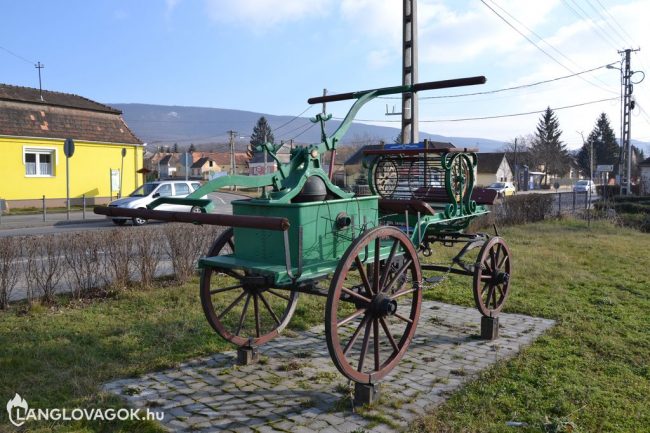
(167, 124)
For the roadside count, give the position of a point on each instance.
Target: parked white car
(585, 186)
(144, 195)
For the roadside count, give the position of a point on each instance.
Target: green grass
(590, 370)
(60, 356)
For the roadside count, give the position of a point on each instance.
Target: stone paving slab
(296, 388)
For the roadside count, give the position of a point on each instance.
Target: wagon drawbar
(305, 235)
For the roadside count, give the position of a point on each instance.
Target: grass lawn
(591, 369)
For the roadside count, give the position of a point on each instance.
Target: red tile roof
(60, 115)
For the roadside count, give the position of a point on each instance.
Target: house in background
(493, 167)
(644, 168)
(204, 167)
(33, 128)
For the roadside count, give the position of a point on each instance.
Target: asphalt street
(34, 224)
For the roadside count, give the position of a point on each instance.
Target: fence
(570, 202)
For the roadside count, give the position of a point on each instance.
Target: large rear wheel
(373, 305)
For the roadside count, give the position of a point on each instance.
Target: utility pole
(39, 66)
(516, 169)
(233, 166)
(324, 103)
(410, 72)
(625, 166)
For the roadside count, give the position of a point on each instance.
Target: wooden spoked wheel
(458, 177)
(492, 277)
(385, 178)
(241, 306)
(373, 305)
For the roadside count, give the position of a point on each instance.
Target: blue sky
(271, 55)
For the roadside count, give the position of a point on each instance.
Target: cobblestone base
(296, 388)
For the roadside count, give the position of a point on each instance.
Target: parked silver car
(141, 197)
(585, 186)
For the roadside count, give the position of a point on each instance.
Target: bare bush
(524, 208)
(149, 246)
(44, 266)
(10, 254)
(181, 248)
(82, 257)
(117, 260)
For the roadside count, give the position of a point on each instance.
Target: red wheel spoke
(279, 295)
(355, 335)
(503, 261)
(485, 287)
(397, 275)
(494, 297)
(485, 277)
(257, 315)
(268, 307)
(388, 334)
(230, 307)
(225, 289)
(389, 261)
(355, 295)
(496, 256)
(364, 276)
(493, 260)
(403, 292)
(352, 316)
(406, 319)
(243, 314)
(376, 266)
(375, 340)
(364, 346)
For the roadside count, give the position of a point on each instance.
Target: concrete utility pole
(625, 166)
(410, 72)
(233, 166)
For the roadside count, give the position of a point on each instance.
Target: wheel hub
(501, 278)
(382, 305)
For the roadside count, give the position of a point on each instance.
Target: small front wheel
(373, 305)
(492, 277)
(244, 308)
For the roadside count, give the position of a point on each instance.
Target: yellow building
(33, 128)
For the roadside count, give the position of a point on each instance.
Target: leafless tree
(44, 266)
(82, 257)
(10, 253)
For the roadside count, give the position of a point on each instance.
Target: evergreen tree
(398, 138)
(547, 149)
(603, 140)
(262, 132)
(175, 148)
(192, 147)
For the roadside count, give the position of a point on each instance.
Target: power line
(491, 117)
(284, 134)
(615, 21)
(537, 46)
(313, 124)
(585, 16)
(18, 56)
(295, 117)
(487, 92)
(615, 31)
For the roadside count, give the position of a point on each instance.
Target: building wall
(503, 174)
(89, 171)
(645, 180)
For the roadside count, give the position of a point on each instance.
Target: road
(25, 225)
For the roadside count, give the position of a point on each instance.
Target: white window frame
(41, 150)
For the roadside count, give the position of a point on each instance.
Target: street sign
(602, 168)
(68, 147)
